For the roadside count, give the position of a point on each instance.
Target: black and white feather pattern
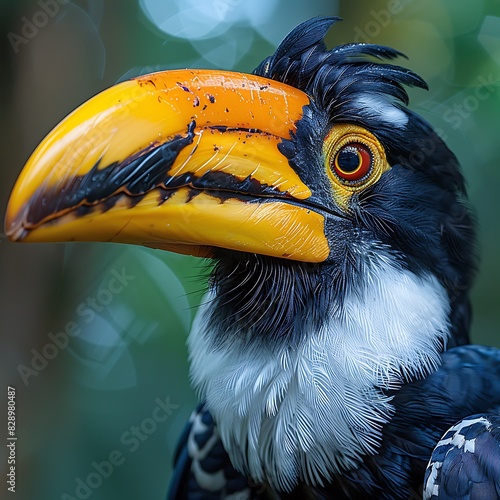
(331, 380)
(466, 461)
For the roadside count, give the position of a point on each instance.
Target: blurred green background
(119, 390)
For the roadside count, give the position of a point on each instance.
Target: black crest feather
(303, 61)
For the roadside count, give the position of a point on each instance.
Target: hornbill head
(343, 248)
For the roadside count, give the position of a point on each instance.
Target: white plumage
(286, 415)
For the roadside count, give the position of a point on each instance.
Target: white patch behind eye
(383, 110)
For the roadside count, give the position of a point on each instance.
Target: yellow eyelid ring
(354, 160)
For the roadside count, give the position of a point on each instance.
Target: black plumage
(417, 212)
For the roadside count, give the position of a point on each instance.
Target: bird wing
(466, 461)
(452, 417)
(202, 469)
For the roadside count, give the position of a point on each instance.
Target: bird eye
(353, 162)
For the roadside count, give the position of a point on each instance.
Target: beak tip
(14, 233)
(13, 225)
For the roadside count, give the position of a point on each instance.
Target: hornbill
(331, 353)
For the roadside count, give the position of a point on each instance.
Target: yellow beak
(179, 160)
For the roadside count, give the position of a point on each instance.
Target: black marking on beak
(102, 187)
(135, 176)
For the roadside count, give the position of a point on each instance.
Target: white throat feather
(288, 415)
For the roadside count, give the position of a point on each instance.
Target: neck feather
(300, 411)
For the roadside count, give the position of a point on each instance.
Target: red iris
(353, 162)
